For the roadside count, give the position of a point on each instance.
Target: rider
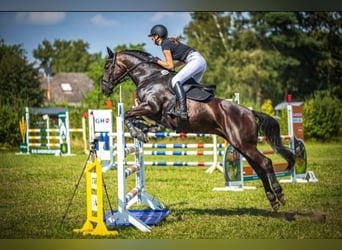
(173, 49)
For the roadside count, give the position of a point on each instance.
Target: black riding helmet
(159, 30)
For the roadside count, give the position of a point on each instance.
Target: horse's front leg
(143, 109)
(136, 132)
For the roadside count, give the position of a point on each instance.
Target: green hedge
(323, 116)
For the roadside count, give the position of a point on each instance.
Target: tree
(310, 47)
(19, 87)
(265, 55)
(19, 79)
(325, 27)
(208, 33)
(65, 56)
(236, 60)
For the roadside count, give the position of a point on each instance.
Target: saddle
(195, 91)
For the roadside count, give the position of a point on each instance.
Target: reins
(124, 75)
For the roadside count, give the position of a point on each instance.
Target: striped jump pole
(138, 194)
(159, 149)
(154, 149)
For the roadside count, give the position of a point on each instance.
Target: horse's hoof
(142, 137)
(275, 206)
(145, 139)
(282, 199)
(134, 134)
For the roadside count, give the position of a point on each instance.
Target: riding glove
(153, 59)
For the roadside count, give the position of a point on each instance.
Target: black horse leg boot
(181, 98)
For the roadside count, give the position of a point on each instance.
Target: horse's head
(112, 73)
(122, 64)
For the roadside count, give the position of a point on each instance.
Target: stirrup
(183, 115)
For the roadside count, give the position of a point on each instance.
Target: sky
(98, 29)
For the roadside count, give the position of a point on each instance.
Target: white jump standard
(138, 194)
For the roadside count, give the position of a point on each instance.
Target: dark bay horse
(235, 123)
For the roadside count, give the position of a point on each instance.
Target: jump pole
(137, 195)
(61, 137)
(216, 164)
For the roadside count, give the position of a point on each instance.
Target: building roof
(283, 105)
(68, 88)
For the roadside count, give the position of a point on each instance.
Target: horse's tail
(271, 129)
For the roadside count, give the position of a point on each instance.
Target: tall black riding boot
(181, 98)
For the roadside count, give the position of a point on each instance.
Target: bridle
(111, 82)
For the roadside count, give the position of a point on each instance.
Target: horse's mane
(142, 55)
(137, 52)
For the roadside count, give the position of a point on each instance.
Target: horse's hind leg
(270, 175)
(275, 185)
(264, 169)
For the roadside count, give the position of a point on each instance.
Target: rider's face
(156, 39)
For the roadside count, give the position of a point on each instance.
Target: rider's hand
(153, 59)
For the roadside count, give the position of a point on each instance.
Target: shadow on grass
(288, 216)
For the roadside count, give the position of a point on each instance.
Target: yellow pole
(84, 135)
(94, 224)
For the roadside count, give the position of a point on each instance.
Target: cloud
(101, 21)
(40, 17)
(161, 15)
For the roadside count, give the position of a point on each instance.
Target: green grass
(35, 191)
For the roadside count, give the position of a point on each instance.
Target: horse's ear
(110, 52)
